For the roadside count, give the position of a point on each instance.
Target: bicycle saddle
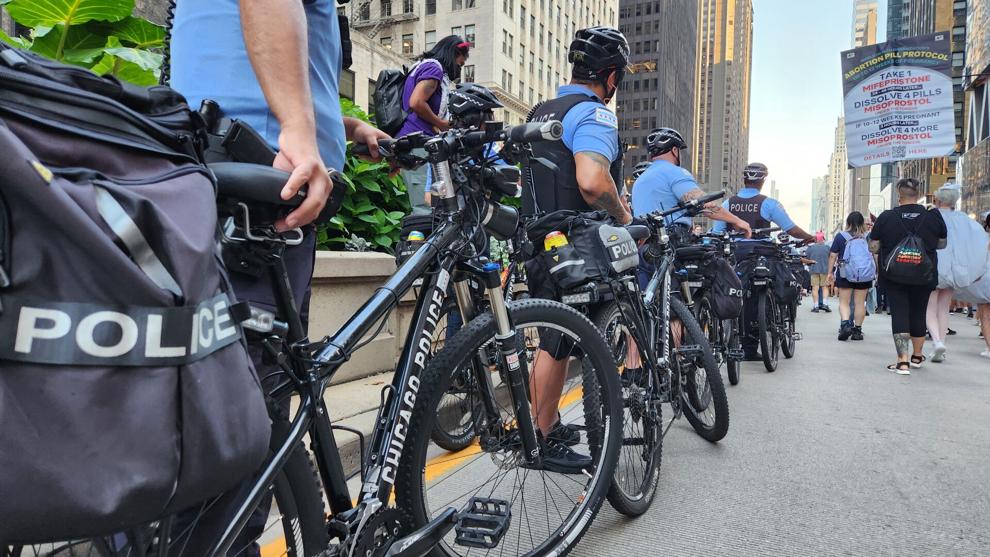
(247, 182)
(638, 231)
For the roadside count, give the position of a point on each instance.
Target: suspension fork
(469, 310)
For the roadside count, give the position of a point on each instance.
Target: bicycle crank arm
(426, 538)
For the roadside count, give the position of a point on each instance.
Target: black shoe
(569, 435)
(950, 332)
(826, 309)
(558, 457)
(845, 331)
(815, 310)
(857, 333)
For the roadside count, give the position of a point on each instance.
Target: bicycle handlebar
(531, 132)
(692, 205)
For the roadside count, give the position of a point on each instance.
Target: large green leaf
(139, 33)
(32, 13)
(82, 45)
(143, 59)
(19, 42)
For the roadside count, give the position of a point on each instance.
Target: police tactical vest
(750, 209)
(551, 188)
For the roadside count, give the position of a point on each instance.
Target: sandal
(916, 361)
(900, 368)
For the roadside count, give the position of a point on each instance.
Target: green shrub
(96, 34)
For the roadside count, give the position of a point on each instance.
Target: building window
(431, 7)
(508, 6)
(505, 79)
(387, 42)
(347, 84)
(364, 12)
(522, 17)
(511, 38)
(386, 8)
(456, 4)
(456, 31)
(532, 26)
(430, 40)
(371, 95)
(505, 41)
(530, 95)
(469, 34)
(541, 34)
(467, 73)
(522, 87)
(408, 6)
(407, 44)
(508, 82)
(532, 61)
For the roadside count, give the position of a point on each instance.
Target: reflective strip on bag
(112, 335)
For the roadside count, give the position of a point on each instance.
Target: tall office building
(819, 203)
(725, 48)
(975, 162)
(835, 187)
(921, 17)
(864, 183)
(520, 46)
(864, 30)
(662, 37)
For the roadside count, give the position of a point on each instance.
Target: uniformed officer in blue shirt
(760, 212)
(665, 183)
(586, 166)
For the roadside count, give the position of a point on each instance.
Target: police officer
(759, 211)
(588, 165)
(665, 183)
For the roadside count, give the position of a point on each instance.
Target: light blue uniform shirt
(660, 188)
(210, 61)
(771, 210)
(589, 126)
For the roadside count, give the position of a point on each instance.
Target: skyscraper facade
(662, 37)
(864, 183)
(819, 204)
(725, 48)
(520, 46)
(975, 162)
(835, 187)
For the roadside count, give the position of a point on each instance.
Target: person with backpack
(425, 100)
(978, 294)
(819, 253)
(907, 238)
(961, 263)
(852, 268)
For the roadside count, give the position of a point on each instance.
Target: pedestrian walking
(425, 96)
(906, 239)
(979, 293)
(819, 253)
(852, 268)
(961, 263)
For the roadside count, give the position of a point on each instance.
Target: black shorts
(541, 286)
(843, 283)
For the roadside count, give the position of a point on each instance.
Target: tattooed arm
(597, 187)
(716, 211)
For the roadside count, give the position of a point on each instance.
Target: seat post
(285, 301)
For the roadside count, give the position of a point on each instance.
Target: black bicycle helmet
(471, 104)
(755, 171)
(639, 169)
(662, 140)
(598, 51)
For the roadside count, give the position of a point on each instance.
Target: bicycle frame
(312, 416)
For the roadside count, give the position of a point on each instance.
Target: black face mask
(619, 74)
(678, 155)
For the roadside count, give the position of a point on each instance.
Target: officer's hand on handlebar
(298, 155)
(744, 228)
(369, 136)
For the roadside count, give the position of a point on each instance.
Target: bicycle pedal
(736, 354)
(689, 351)
(796, 336)
(482, 523)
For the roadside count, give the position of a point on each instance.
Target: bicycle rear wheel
(637, 473)
(733, 367)
(769, 339)
(703, 397)
(454, 428)
(788, 342)
(549, 510)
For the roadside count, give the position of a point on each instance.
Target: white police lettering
(74, 333)
(399, 431)
(432, 317)
(623, 250)
(744, 207)
(28, 327)
(605, 116)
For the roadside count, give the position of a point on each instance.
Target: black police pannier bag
(786, 285)
(126, 392)
(717, 274)
(596, 249)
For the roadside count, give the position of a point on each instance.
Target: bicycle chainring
(381, 530)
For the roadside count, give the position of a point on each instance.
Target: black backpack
(389, 114)
(126, 391)
(909, 262)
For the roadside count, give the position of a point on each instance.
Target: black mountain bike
(496, 496)
(775, 316)
(675, 364)
(724, 335)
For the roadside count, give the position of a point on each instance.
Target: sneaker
(815, 310)
(985, 353)
(950, 331)
(857, 333)
(569, 435)
(845, 330)
(562, 459)
(826, 309)
(938, 356)
(903, 371)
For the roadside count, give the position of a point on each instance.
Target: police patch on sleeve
(605, 116)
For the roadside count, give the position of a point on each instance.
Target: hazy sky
(797, 91)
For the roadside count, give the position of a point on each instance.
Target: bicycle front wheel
(703, 397)
(788, 342)
(730, 331)
(769, 339)
(551, 506)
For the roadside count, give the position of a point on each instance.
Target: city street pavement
(830, 455)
